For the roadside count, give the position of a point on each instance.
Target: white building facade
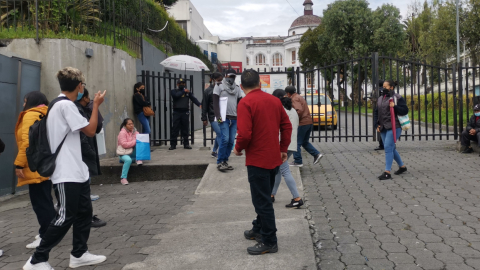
(276, 52)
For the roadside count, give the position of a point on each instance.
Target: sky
(245, 18)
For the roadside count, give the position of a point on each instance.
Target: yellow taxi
(322, 110)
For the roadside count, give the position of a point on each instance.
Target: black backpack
(39, 156)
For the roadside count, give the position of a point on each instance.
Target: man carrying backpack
(70, 176)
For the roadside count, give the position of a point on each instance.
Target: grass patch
(31, 33)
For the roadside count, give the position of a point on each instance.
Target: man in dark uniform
(472, 131)
(181, 113)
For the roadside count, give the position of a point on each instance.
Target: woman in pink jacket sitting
(127, 138)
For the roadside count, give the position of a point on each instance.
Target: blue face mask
(79, 96)
(477, 114)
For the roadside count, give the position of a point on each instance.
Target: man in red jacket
(260, 118)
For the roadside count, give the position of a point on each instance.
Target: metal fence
(158, 86)
(118, 23)
(440, 98)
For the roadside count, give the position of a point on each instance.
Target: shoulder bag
(403, 119)
(122, 151)
(147, 110)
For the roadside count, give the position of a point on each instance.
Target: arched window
(248, 61)
(293, 33)
(260, 60)
(277, 60)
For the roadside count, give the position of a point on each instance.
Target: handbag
(122, 151)
(404, 120)
(147, 110)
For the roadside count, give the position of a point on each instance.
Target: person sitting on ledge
(472, 132)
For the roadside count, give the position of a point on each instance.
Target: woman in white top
(285, 168)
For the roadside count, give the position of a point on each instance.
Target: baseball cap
(231, 71)
(181, 80)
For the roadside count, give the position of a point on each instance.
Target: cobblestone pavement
(425, 219)
(134, 214)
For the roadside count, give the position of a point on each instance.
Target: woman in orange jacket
(40, 188)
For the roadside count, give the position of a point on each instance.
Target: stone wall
(109, 69)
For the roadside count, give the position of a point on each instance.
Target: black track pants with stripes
(75, 209)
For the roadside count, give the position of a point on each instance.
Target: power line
(292, 7)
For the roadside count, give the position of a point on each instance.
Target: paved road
(135, 214)
(359, 125)
(425, 219)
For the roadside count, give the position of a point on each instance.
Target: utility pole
(458, 34)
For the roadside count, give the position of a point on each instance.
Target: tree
(351, 29)
(471, 31)
(166, 3)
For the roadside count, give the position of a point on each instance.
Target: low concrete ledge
(111, 174)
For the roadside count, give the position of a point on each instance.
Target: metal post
(298, 80)
(192, 115)
(204, 127)
(458, 34)
(36, 20)
(455, 113)
(375, 88)
(460, 96)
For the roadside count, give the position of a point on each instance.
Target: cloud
(231, 18)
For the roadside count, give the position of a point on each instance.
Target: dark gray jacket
(382, 111)
(473, 124)
(208, 112)
(181, 100)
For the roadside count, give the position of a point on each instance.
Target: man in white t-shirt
(70, 178)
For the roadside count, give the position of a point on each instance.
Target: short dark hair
(392, 83)
(85, 93)
(216, 75)
(279, 93)
(290, 89)
(34, 99)
(250, 79)
(69, 78)
(380, 83)
(137, 85)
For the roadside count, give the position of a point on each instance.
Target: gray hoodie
(233, 93)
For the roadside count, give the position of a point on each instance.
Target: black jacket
(89, 145)
(181, 100)
(2, 146)
(473, 124)
(382, 111)
(208, 113)
(139, 103)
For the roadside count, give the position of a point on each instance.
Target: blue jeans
(144, 120)
(303, 139)
(218, 134)
(287, 174)
(228, 131)
(390, 148)
(127, 161)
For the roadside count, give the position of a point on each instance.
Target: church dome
(308, 19)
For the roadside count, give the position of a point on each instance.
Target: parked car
(322, 110)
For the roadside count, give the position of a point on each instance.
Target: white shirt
(64, 119)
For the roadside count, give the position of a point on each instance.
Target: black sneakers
(467, 151)
(385, 176)
(379, 148)
(222, 167)
(261, 248)
(317, 158)
(187, 147)
(96, 222)
(251, 235)
(400, 171)
(295, 204)
(172, 147)
(214, 155)
(230, 168)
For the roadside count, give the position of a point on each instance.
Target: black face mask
(385, 92)
(181, 87)
(142, 91)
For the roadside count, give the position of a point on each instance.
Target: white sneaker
(37, 236)
(94, 197)
(35, 243)
(86, 259)
(38, 266)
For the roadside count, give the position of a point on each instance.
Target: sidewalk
(209, 233)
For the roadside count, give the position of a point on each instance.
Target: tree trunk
(357, 92)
